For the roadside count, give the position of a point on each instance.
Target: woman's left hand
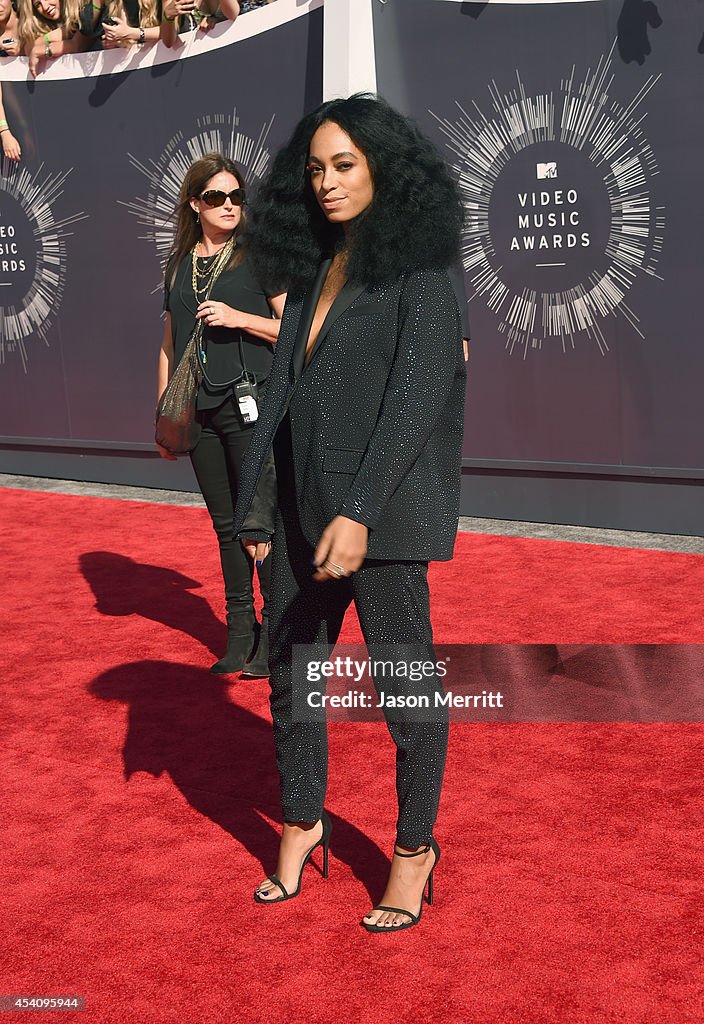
(35, 55)
(10, 146)
(218, 314)
(256, 549)
(341, 549)
(117, 34)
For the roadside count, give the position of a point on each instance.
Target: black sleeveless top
(237, 288)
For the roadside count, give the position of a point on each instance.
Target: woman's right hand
(176, 8)
(165, 453)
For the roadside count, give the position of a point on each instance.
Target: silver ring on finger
(336, 566)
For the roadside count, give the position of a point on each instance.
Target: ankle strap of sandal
(417, 853)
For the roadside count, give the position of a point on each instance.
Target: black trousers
(392, 602)
(217, 459)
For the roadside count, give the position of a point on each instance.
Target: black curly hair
(413, 221)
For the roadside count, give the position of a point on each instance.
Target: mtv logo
(547, 170)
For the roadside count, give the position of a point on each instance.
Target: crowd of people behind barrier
(42, 30)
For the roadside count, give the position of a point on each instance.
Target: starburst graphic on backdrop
(609, 135)
(36, 193)
(213, 133)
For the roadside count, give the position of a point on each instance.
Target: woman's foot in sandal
(402, 903)
(298, 842)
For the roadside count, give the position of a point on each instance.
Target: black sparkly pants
(393, 605)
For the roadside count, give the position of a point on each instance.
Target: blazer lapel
(306, 320)
(344, 299)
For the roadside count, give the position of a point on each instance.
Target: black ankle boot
(257, 666)
(240, 642)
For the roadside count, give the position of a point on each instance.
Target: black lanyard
(226, 383)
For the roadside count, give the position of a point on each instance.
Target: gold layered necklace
(203, 280)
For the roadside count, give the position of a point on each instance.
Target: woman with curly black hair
(359, 219)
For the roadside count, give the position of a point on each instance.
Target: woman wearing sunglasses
(209, 278)
(361, 219)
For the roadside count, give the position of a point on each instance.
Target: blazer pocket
(341, 460)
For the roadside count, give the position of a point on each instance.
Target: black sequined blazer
(376, 414)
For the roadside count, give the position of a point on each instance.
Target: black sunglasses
(216, 197)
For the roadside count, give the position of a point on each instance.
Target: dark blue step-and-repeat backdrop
(575, 132)
(86, 220)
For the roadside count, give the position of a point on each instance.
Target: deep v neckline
(325, 303)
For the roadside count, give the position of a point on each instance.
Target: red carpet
(140, 800)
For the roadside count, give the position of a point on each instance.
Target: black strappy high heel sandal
(324, 841)
(414, 918)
